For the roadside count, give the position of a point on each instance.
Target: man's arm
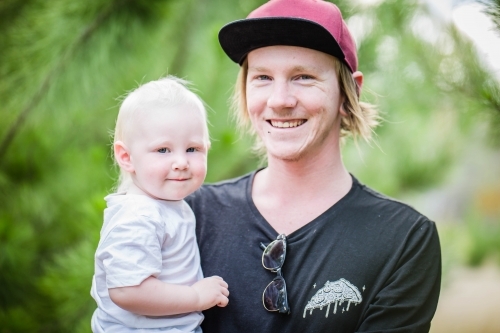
(409, 298)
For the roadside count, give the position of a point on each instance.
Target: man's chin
(286, 156)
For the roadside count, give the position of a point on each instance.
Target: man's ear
(342, 111)
(358, 78)
(122, 156)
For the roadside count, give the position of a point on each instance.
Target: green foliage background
(64, 64)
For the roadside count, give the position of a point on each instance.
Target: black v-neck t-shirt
(367, 264)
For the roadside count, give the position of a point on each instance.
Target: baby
(147, 264)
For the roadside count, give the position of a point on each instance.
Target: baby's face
(168, 150)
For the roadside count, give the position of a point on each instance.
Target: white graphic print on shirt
(337, 292)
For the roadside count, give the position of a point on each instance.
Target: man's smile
(286, 123)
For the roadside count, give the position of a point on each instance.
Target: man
(303, 246)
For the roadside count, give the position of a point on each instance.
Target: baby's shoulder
(129, 209)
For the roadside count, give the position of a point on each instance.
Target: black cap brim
(240, 37)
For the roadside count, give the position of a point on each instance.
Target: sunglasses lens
(273, 296)
(274, 255)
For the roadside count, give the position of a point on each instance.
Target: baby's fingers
(223, 301)
(216, 277)
(223, 284)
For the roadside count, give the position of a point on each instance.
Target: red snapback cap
(314, 24)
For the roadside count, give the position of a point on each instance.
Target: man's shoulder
(375, 202)
(226, 190)
(239, 181)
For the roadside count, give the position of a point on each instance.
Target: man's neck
(290, 194)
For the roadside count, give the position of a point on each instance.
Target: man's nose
(282, 96)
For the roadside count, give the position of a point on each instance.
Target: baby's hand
(211, 291)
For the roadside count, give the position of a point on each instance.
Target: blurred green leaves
(432, 90)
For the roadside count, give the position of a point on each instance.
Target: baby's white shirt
(143, 237)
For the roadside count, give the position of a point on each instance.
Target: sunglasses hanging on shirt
(275, 297)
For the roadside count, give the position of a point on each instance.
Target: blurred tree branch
(185, 33)
(56, 69)
(493, 10)
(493, 95)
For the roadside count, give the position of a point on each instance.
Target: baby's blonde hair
(167, 92)
(361, 117)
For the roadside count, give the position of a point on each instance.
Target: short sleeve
(408, 300)
(131, 252)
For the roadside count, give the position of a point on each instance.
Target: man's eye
(163, 150)
(305, 77)
(191, 150)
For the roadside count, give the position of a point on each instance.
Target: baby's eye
(163, 150)
(191, 150)
(263, 77)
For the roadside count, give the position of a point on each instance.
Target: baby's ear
(122, 156)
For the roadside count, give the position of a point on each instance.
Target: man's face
(168, 152)
(293, 101)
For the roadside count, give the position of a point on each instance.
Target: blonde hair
(361, 117)
(168, 92)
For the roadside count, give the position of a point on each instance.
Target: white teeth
(287, 124)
